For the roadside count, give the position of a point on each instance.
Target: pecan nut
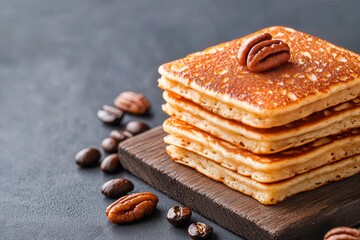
(267, 55)
(260, 53)
(249, 44)
(340, 233)
(131, 207)
(132, 102)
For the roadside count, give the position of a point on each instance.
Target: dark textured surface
(60, 61)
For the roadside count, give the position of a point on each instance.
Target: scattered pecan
(132, 102)
(343, 233)
(132, 207)
(260, 53)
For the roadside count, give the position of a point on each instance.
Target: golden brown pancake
(318, 75)
(330, 121)
(263, 168)
(270, 193)
(272, 134)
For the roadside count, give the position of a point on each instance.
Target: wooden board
(305, 216)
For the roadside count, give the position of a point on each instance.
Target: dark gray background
(60, 61)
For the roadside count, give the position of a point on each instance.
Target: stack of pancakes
(269, 135)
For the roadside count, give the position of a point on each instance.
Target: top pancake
(318, 75)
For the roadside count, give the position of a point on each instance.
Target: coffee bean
(111, 164)
(178, 216)
(132, 102)
(120, 135)
(136, 127)
(110, 145)
(200, 230)
(110, 115)
(88, 157)
(117, 187)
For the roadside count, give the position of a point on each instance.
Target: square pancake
(333, 120)
(270, 193)
(317, 76)
(263, 168)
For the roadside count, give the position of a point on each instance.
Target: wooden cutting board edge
(144, 156)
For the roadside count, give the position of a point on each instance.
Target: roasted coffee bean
(120, 135)
(117, 187)
(110, 145)
(136, 127)
(110, 115)
(111, 164)
(132, 102)
(178, 215)
(88, 157)
(200, 230)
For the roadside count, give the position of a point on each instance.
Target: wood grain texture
(305, 216)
